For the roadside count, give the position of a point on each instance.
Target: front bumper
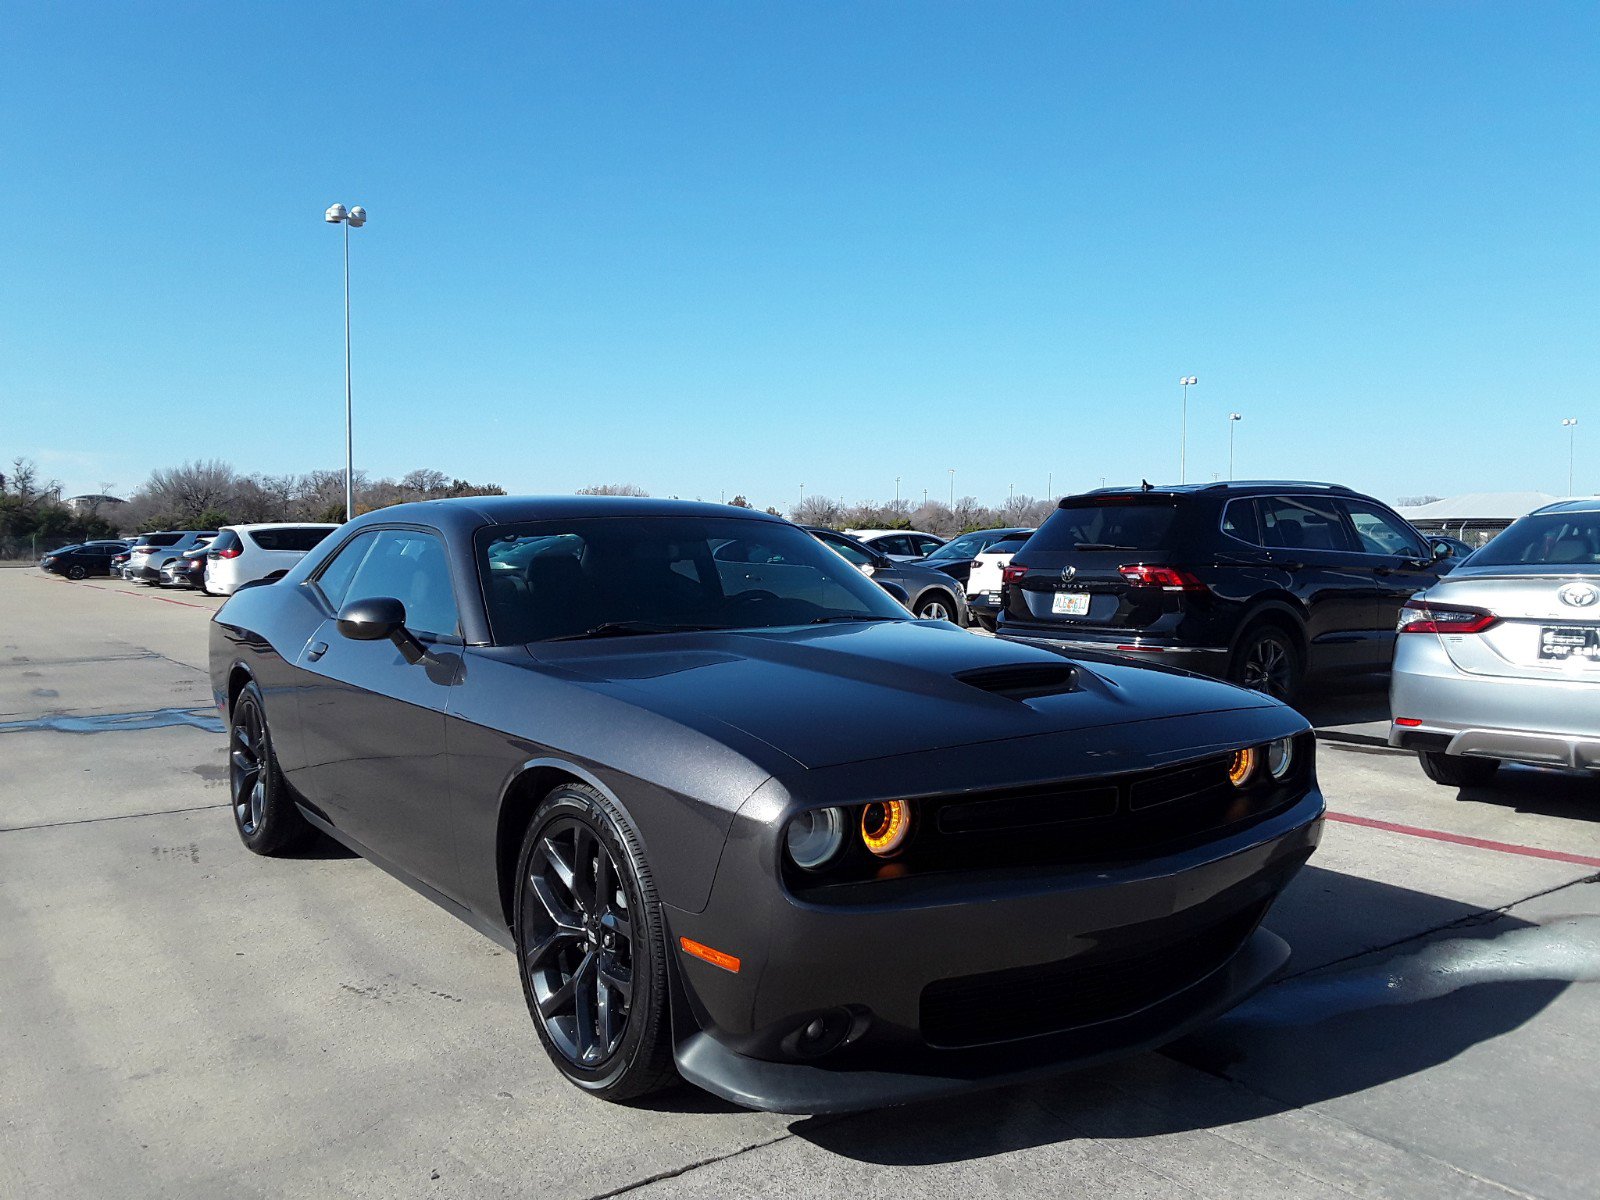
(884, 965)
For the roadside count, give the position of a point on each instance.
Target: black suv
(1259, 583)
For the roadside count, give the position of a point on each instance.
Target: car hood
(844, 693)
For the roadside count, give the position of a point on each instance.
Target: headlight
(885, 825)
(1242, 766)
(1280, 757)
(814, 837)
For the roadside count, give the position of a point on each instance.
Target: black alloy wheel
(1267, 661)
(263, 811)
(77, 571)
(590, 947)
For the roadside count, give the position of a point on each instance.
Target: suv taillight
(1421, 617)
(1170, 579)
(1012, 574)
(231, 552)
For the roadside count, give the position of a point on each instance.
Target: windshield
(1112, 523)
(968, 545)
(573, 578)
(1552, 539)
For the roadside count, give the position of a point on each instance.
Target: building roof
(98, 499)
(1478, 506)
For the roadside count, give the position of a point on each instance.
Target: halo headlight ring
(885, 825)
(814, 837)
(1242, 766)
(1280, 758)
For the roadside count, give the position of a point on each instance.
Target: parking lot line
(100, 587)
(1459, 839)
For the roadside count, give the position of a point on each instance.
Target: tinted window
(226, 540)
(926, 545)
(968, 545)
(893, 545)
(1301, 523)
(294, 537)
(1008, 545)
(1239, 520)
(551, 580)
(1382, 533)
(161, 539)
(1570, 539)
(412, 568)
(334, 581)
(847, 549)
(1113, 523)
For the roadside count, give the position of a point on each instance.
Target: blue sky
(739, 247)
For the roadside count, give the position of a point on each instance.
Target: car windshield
(1112, 523)
(1549, 539)
(968, 545)
(606, 575)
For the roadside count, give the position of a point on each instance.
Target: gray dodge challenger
(743, 819)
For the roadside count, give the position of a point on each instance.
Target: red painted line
(100, 587)
(1459, 839)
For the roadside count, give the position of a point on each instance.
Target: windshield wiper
(626, 628)
(848, 617)
(1102, 546)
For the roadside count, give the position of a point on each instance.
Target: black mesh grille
(1139, 968)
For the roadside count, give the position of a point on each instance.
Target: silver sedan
(1500, 660)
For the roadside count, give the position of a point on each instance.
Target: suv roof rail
(1279, 483)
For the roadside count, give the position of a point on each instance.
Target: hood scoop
(1023, 681)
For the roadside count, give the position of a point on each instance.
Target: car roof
(1239, 487)
(1589, 504)
(284, 525)
(873, 533)
(463, 514)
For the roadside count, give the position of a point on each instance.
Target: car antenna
(1145, 486)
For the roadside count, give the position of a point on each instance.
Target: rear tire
(264, 812)
(77, 572)
(1268, 660)
(1455, 770)
(590, 941)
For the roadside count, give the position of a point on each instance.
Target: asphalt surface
(180, 1018)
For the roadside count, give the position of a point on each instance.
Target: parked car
(245, 553)
(152, 551)
(930, 595)
(902, 545)
(955, 557)
(188, 569)
(1261, 583)
(1500, 662)
(986, 580)
(82, 560)
(741, 820)
(119, 562)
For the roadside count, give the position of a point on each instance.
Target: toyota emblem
(1579, 595)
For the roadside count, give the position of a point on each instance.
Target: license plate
(1569, 641)
(1069, 604)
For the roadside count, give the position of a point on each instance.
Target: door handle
(318, 649)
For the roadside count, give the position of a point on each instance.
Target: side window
(412, 568)
(847, 550)
(334, 582)
(1381, 533)
(1239, 521)
(1302, 523)
(926, 545)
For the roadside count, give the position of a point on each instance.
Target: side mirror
(1443, 550)
(379, 618)
(896, 592)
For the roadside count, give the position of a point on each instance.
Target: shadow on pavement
(1311, 1037)
(1549, 793)
(1355, 701)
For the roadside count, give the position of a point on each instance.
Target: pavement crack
(709, 1161)
(160, 812)
(1480, 917)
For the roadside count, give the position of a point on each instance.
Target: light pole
(1183, 431)
(353, 218)
(1050, 485)
(1570, 424)
(1233, 419)
(952, 489)
(897, 491)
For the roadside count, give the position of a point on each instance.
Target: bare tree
(187, 491)
(612, 489)
(817, 510)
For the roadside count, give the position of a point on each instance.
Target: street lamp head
(1569, 421)
(1189, 379)
(1235, 416)
(335, 214)
(357, 217)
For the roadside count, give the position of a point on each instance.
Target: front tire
(264, 812)
(591, 947)
(77, 572)
(936, 607)
(1455, 770)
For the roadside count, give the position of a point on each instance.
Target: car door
(1309, 544)
(374, 723)
(1399, 563)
